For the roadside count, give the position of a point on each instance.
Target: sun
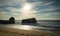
(27, 7)
(26, 10)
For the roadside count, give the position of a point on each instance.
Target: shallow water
(30, 27)
(52, 27)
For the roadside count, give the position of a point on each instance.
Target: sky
(23, 9)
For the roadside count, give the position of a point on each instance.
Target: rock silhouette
(30, 21)
(12, 20)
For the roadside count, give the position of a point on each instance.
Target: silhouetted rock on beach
(30, 21)
(10, 21)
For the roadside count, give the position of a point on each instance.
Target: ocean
(52, 26)
(45, 23)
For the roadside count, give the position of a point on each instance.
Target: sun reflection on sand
(26, 27)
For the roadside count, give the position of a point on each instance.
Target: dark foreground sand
(17, 32)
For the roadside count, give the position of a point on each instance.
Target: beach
(10, 31)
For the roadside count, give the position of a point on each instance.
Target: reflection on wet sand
(24, 33)
(22, 30)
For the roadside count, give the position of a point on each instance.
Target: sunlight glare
(26, 27)
(26, 11)
(27, 6)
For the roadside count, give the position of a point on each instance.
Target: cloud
(10, 7)
(7, 15)
(42, 9)
(13, 6)
(48, 16)
(46, 7)
(4, 16)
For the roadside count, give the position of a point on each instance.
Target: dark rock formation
(31, 21)
(4, 22)
(11, 20)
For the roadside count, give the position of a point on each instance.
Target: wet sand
(19, 32)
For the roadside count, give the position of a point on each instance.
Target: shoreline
(17, 32)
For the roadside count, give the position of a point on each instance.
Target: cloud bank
(41, 9)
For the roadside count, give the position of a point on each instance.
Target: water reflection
(28, 27)
(24, 27)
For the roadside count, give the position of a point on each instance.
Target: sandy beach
(19, 32)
